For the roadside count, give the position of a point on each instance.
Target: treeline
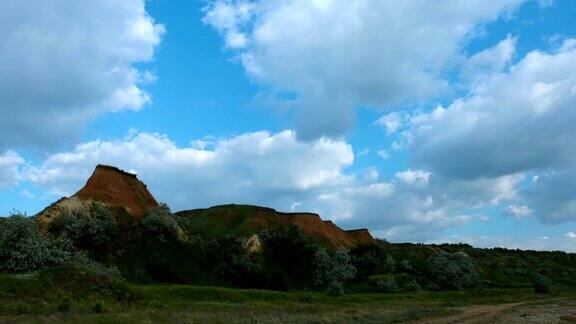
(158, 250)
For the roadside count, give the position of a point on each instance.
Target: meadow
(81, 294)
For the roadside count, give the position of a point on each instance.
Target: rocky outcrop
(362, 236)
(117, 188)
(108, 185)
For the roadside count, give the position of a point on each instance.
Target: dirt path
(554, 311)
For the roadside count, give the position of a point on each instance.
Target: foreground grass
(23, 300)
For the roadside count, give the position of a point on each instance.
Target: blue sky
(426, 122)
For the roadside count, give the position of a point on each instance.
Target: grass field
(24, 298)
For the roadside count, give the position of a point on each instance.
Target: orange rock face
(109, 186)
(362, 236)
(115, 187)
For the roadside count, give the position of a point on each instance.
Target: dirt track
(557, 311)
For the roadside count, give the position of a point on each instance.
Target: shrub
(330, 272)
(386, 284)
(288, 257)
(412, 286)
(159, 223)
(305, 297)
(452, 270)
(370, 260)
(81, 280)
(405, 265)
(335, 289)
(542, 284)
(98, 307)
(95, 230)
(64, 306)
(24, 248)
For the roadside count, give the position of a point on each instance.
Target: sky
(424, 121)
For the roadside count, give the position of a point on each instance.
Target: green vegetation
(90, 293)
(99, 266)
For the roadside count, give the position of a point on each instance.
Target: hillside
(116, 189)
(246, 220)
(123, 193)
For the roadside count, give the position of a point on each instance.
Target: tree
(288, 257)
(452, 270)
(542, 284)
(331, 271)
(24, 248)
(160, 223)
(94, 231)
(370, 260)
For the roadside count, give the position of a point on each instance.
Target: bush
(335, 289)
(305, 297)
(95, 231)
(330, 272)
(288, 257)
(64, 306)
(452, 270)
(78, 281)
(98, 307)
(542, 284)
(24, 248)
(370, 260)
(386, 284)
(406, 266)
(412, 286)
(160, 223)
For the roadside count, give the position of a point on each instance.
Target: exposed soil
(115, 187)
(362, 236)
(111, 186)
(313, 225)
(555, 311)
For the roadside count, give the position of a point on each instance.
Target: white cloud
(391, 121)
(570, 235)
(513, 122)
(519, 212)
(416, 177)
(259, 168)
(340, 54)
(490, 61)
(64, 62)
(383, 154)
(10, 164)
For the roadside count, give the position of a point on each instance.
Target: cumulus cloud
(391, 122)
(258, 168)
(10, 164)
(337, 55)
(490, 61)
(416, 177)
(513, 122)
(64, 62)
(553, 196)
(516, 121)
(519, 212)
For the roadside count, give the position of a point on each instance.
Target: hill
(118, 190)
(247, 220)
(124, 194)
